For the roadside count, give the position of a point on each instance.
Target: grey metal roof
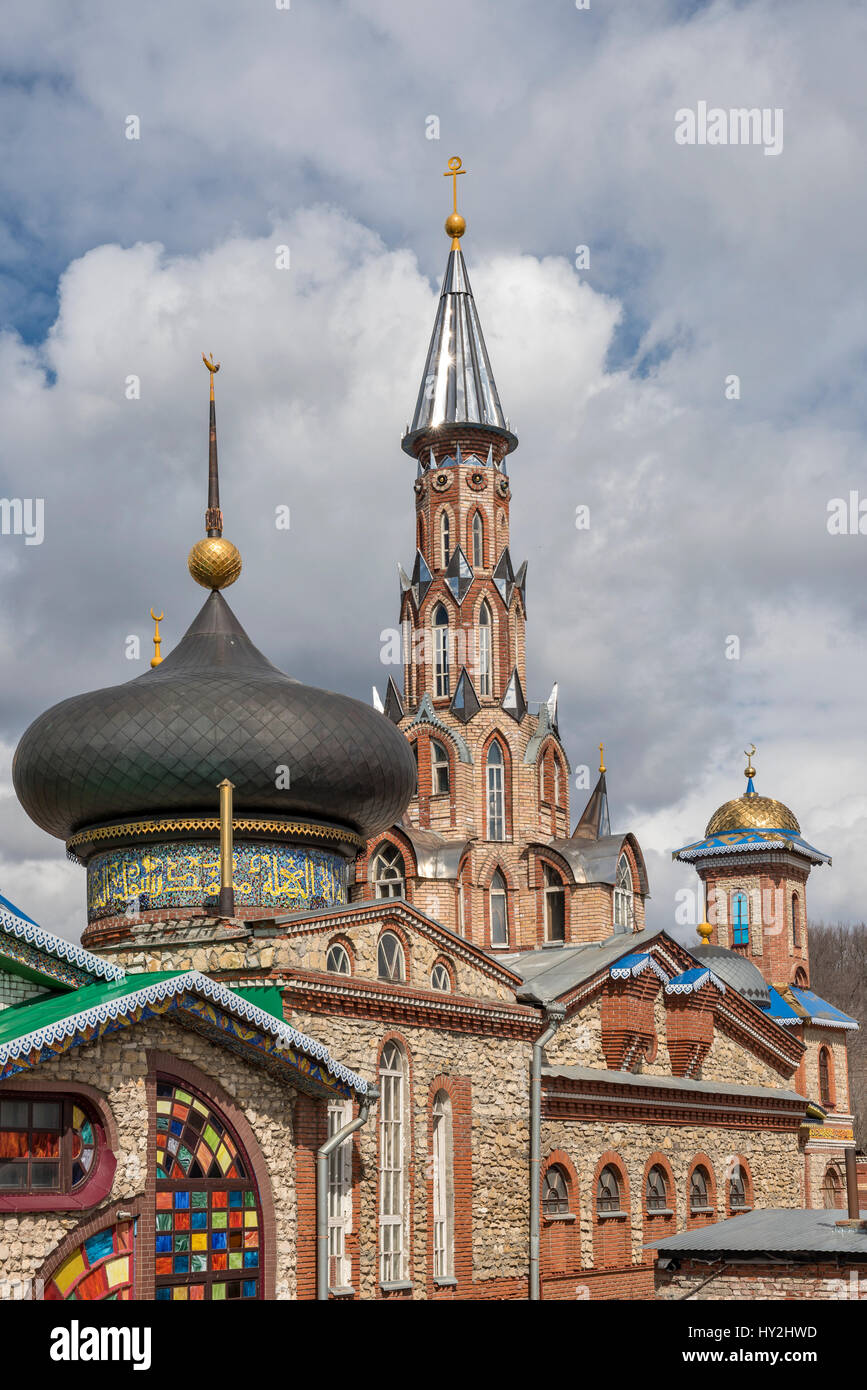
(595, 861)
(457, 384)
(436, 856)
(736, 971)
(550, 971)
(681, 1084)
(772, 1231)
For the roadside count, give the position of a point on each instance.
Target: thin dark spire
(213, 515)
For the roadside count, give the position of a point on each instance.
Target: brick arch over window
(365, 864)
(738, 1167)
(492, 867)
(166, 1063)
(612, 1234)
(390, 928)
(560, 1253)
(472, 530)
(703, 1218)
(348, 945)
(658, 1222)
(833, 1189)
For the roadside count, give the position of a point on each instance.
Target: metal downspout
(322, 1158)
(555, 1014)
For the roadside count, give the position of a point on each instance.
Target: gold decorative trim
(212, 823)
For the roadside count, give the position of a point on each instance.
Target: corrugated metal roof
(548, 973)
(772, 1231)
(631, 1079)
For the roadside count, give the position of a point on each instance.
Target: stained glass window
(208, 1216)
(101, 1268)
(47, 1144)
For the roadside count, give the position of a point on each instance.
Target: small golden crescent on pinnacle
(752, 752)
(211, 365)
(157, 618)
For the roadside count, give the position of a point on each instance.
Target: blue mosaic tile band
(286, 878)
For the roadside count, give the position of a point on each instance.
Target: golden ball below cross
(455, 224)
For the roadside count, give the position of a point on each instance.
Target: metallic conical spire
(213, 562)
(457, 386)
(595, 822)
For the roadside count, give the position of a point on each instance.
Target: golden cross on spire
(601, 758)
(213, 367)
(455, 224)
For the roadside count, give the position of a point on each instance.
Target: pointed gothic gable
(465, 702)
(513, 701)
(504, 577)
(426, 714)
(393, 706)
(421, 579)
(459, 575)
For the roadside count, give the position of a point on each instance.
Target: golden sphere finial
(214, 562)
(705, 931)
(749, 770)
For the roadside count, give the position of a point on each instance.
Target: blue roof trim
(780, 1011)
(629, 966)
(820, 1011)
(692, 980)
(16, 923)
(744, 841)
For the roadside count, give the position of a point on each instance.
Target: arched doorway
(208, 1213)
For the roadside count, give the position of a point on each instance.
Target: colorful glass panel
(208, 1217)
(45, 1145)
(102, 1268)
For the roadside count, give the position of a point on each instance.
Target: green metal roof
(34, 1014)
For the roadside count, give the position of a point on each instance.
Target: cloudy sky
(308, 127)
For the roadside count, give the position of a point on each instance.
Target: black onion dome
(214, 708)
(735, 970)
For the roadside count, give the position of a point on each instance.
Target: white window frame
(486, 650)
(440, 979)
(445, 538)
(495, 783)
(386, 882)
(553, 884)
(498, 891)
(439, 760)
(442, 681)
(339, 1197)
(442, 1155)
(338, 952)
(623, 896)
(392, 1166)
(393, 959)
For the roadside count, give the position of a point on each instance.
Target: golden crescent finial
(749, 770)
(455, 224)
(156, 658)
(213, 367)
(601, 758)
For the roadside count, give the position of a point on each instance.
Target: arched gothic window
(832, 1189)
(439, 768)
(499, 903)
(478, 541)
(699, 1190)
(555, 905)
(608, 1190)
(485, 650)
(337, 961)
(740, 920)
(623, 896)
(392, 1165)
(495, 769)
(442, 685)
(657, 1190)
(556, 781)
(737, 1189)
(445, 538)
(825, 1094)
(796, 920)
(390, 963)
(555, 1191)
(440, 979)
(387, 871)
(443, 1187)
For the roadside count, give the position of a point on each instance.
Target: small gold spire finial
(156, 658)
(601, 758)
(705, 931)
(455, 224)
(749, 770)
(213, 367)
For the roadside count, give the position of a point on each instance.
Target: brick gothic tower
(485, 846)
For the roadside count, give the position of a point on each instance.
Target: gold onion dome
(751, 811)
(214, 562)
